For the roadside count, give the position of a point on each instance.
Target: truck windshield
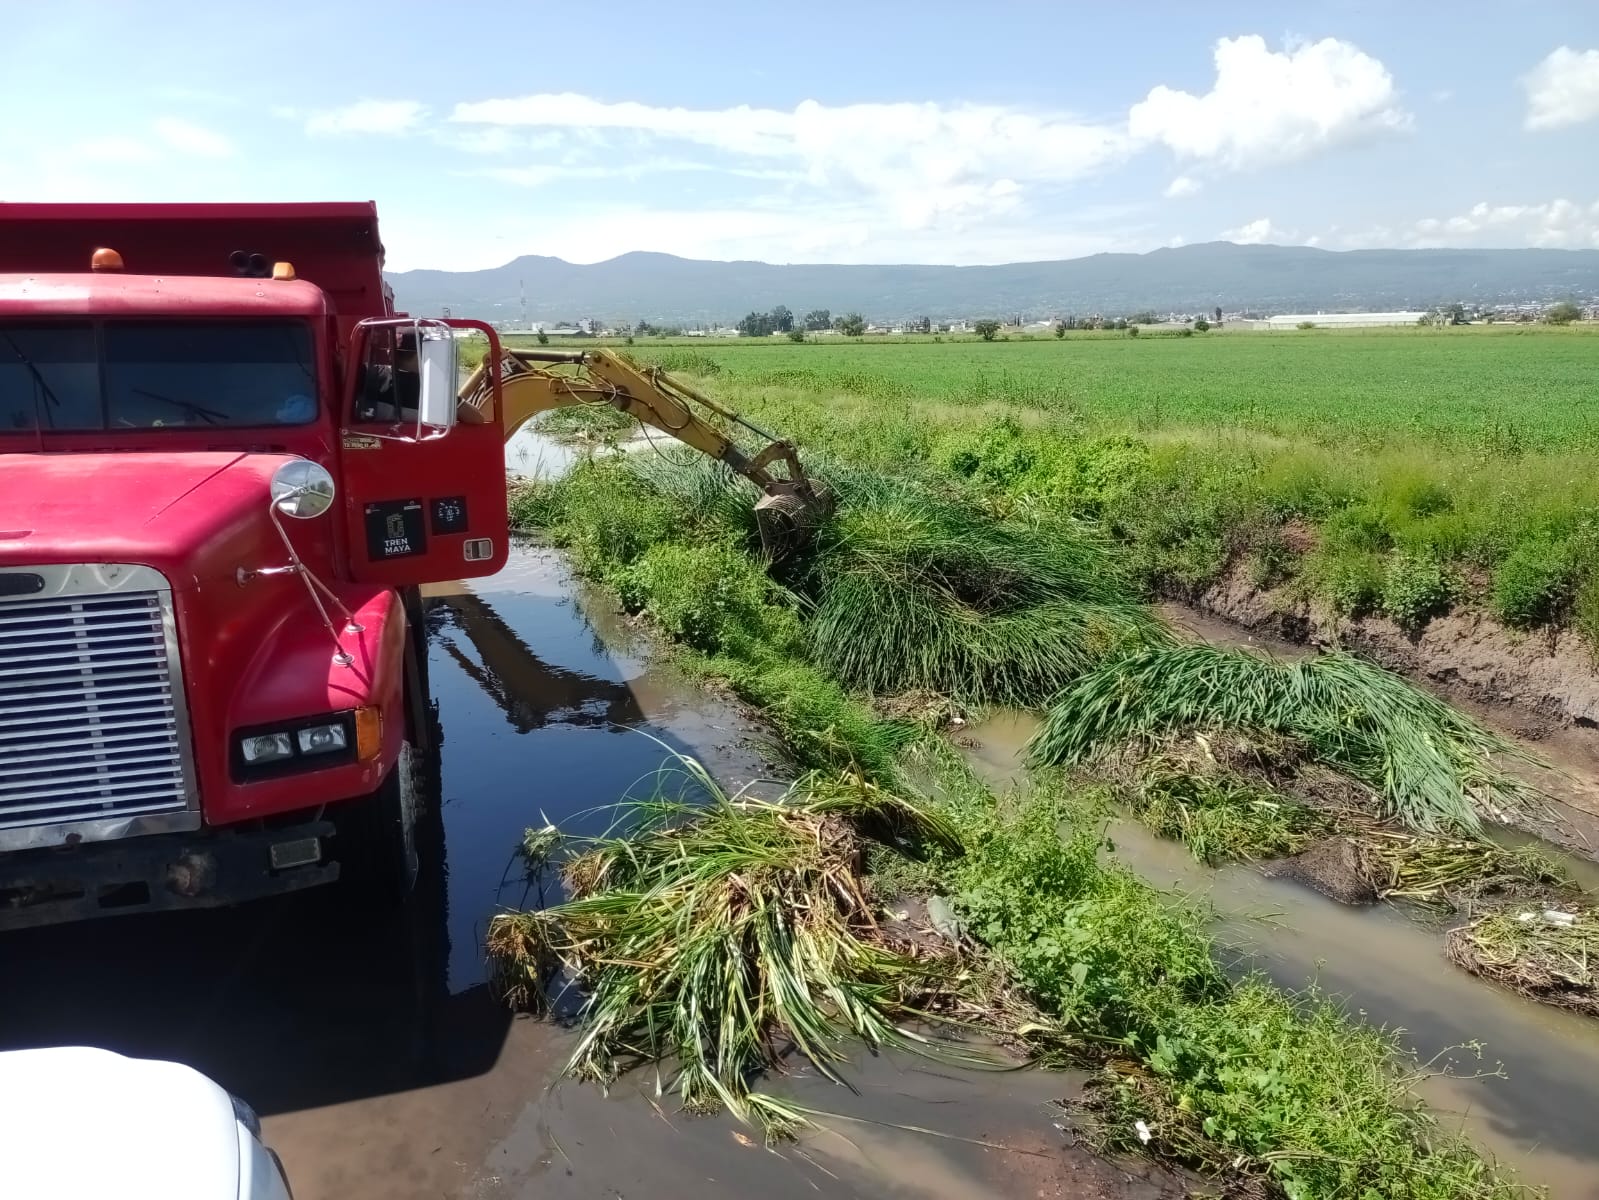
(113, 374)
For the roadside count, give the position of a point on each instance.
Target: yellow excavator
(536, 381)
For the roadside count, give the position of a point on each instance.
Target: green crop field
(1477, 386)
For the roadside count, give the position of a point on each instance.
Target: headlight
(312, 743)
(322, 739)
(263, 748)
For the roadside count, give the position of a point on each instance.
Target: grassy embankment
(1405, 472)
(674, 928)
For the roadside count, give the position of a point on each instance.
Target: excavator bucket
(788, 519)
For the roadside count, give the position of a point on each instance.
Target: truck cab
(226, 467)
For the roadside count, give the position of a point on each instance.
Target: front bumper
(162, 873)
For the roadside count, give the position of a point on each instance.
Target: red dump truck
(226, 467)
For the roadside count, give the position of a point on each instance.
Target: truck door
(424, 494)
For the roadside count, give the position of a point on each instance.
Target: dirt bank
(1545, 680)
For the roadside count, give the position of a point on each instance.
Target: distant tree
(1071, 321)
(1132, 331)
(1563, 313)
(1147, 317)
(544, 338)
(1201, 326)
(644, 329)
(853, 325)
(797, 334)
(1060, 328)
(782, 319)
(1456, 313)
(818, 319)
(925, 325)
(987, 330)
(1121, 322)
(1218, 314)
(755, 324)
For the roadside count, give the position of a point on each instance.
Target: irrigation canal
(378, 1059)
(384, 1068)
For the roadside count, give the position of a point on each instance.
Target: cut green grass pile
(1222, 818)
(1433, 767)
(1536, 953)
(710, 939)
(914, 589)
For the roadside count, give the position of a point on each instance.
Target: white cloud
(1558, 224)
(1563, 89)
(367, 116)
(1273, 106)
(1259, 231)
(1183, 185)
(922, 162)
(189, 138)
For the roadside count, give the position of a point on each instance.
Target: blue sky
(822, 132)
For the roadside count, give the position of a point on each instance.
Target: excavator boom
(535, 381)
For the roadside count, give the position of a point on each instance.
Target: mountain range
(664, 288)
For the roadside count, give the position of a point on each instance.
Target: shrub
(1201, 326)
(1534, 584)
(1305, 325)
(986, 330)
(712, 597)
(1585, 613)
(1352, 579)
(1415, 589)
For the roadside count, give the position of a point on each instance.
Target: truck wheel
(377, 835)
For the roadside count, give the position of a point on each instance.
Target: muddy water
(1540, 1117)
(369, 1041)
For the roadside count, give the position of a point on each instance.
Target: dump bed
(334, 246)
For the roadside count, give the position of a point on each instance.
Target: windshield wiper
(209, 415)
(40, 386)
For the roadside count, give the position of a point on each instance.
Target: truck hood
(157, 508)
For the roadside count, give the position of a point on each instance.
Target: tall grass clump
(913, 588)
(1433, 767)
(708, 939)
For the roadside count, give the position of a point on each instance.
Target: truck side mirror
(436, 362)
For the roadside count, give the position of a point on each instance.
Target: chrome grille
(92, 722)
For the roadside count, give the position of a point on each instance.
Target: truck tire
(377, 835)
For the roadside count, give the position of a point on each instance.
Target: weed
(1585, 612)
(1534, 584)
(1415, 589)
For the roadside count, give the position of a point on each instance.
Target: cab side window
(389, 387)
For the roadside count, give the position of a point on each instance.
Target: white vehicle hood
(82, 1123)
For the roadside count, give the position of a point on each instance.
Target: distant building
(1333, 320)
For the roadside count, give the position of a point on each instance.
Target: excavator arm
(535, 381)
